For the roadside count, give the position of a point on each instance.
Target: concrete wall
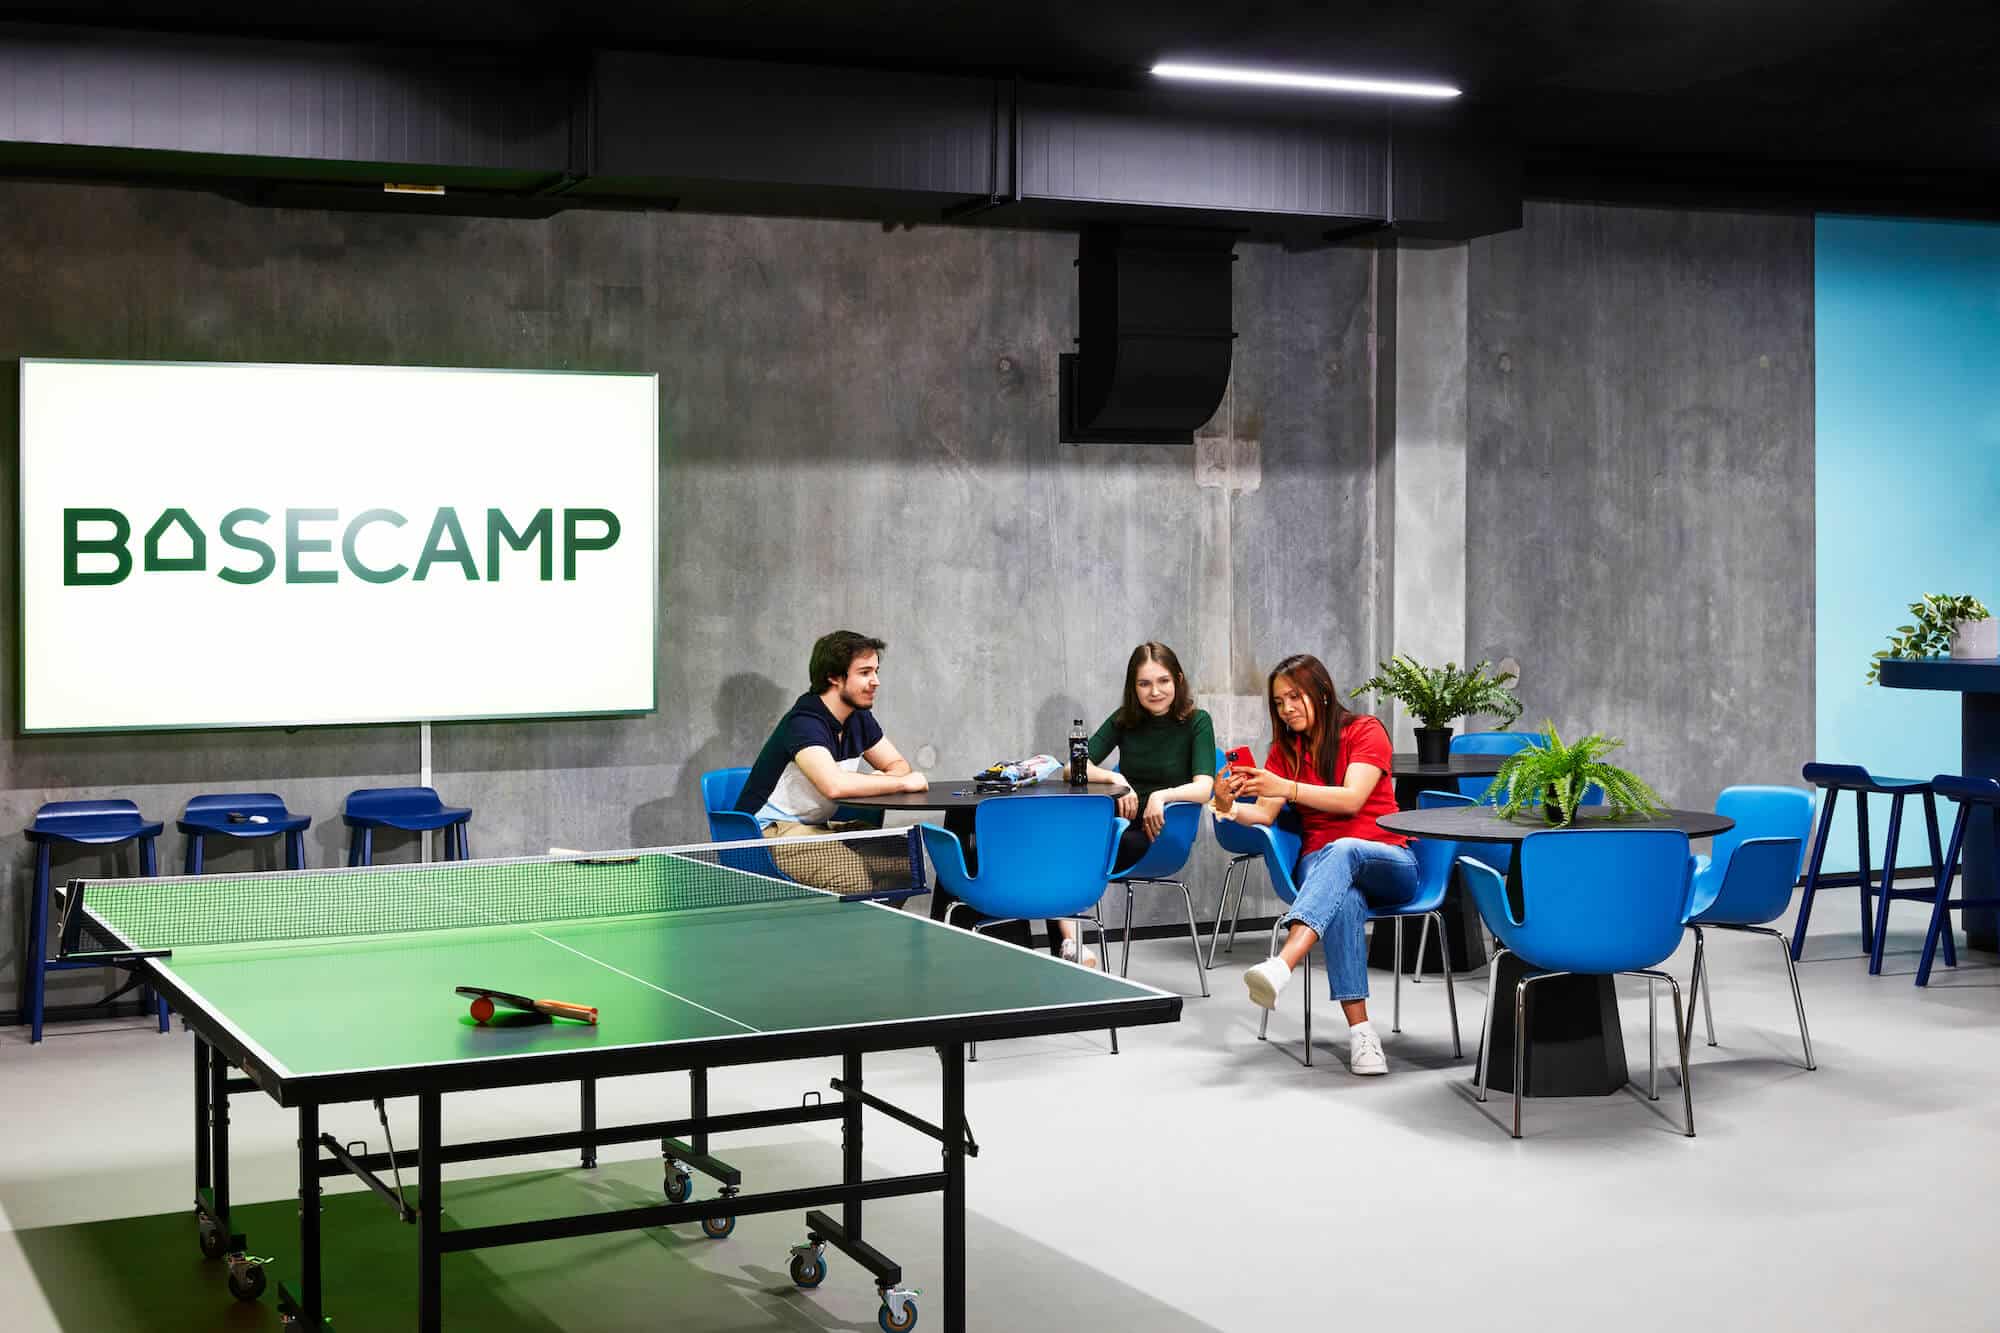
(859, 431)
(1640, 484)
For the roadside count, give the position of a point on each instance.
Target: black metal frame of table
(1576, 1044)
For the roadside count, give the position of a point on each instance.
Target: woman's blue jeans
(1337, 885)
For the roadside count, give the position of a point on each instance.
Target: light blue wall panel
(1908, 478)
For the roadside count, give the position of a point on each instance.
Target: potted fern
(1959, 625)
(1438, 696)
(1556, 777)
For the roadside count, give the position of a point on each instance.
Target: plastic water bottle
(1079, 754)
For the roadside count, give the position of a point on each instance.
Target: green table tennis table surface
(327, 1008)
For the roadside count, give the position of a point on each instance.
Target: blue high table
(1977, 681)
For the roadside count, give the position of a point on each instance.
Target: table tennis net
(304, 905)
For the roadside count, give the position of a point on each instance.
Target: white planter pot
(1976, 638)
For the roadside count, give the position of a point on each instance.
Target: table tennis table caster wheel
(246, 1277)
(213, 1243)
(899, 1311)
(718, 1228)
(679, 1184)
(808, 1266)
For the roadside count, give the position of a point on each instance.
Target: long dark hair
(1131, 712)
(1322, 739)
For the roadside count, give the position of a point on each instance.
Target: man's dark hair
(835, 652)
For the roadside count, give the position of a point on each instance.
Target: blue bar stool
(81, 823)
(1834, 779)
(242, 815)
(412, 809)
(1967, 792)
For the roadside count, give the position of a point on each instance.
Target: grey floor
(1199, 1180)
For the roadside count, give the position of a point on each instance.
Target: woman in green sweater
(1166, 753)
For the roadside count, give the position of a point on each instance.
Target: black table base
(1576, 1045)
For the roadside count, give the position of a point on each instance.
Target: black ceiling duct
(1153, 359)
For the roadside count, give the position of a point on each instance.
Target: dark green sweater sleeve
(1203, 758)
(1104, 740)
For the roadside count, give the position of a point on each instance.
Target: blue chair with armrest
(1746, 883)
(719, 789)
(1040, 858)
(1159, 864)
(1280, 843)
(1570, 879)
(1487, 742)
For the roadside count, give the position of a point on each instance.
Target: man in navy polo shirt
(812, 762)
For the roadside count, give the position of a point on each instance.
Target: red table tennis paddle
(484, 999)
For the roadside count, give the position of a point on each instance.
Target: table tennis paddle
(484, 999)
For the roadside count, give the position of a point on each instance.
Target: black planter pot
(1433, 745)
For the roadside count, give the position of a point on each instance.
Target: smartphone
(1240, 758)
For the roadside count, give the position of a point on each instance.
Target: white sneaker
(1364, 1053)
(1266, 981)
(1071, 954)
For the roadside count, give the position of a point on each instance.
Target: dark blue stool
(82, 823)
(1968, 792)
(1834, 779)
(413, 809)
(245, 815)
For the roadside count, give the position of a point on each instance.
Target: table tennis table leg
(850, 1140)
(954, 1186)
(311, 1315)
(430, 1215)
(589, 1121)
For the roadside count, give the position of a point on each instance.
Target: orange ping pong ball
(482, 1008)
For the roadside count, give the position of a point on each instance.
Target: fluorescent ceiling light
(1323, 83)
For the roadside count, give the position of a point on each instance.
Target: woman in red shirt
(1332, 766)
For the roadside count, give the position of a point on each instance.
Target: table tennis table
(318, 987)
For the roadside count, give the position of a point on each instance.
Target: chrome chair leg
(1125, 963)
(1221, 908)
(1104, 951)
(1236, 911)
(1395, 923)
(1520, 1047)
(1707, 1003)
(1194, 936)
(1264, 1023)
(1798, 998)
(1486, 1027)
(1423, 938)
(1652, 1041)
(1306, 976)
(1687, 1085)
(1450, 1000)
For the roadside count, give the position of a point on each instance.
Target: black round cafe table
(1467, 945)
(1576, 1045)
(958, 800)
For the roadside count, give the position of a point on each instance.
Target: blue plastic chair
(1280, 845)
(257, 814)
(1596, 902)
(1488, 742)
(107, 823)
(1968, 793)
(412, 809)
(1748, 883)
(1041, 858)
(1834, 779)
(719, 789)
(1159, 864)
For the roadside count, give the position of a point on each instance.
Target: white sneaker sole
(1262, 993)
(1367, 1071)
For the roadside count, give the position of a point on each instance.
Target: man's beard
(849, 699)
